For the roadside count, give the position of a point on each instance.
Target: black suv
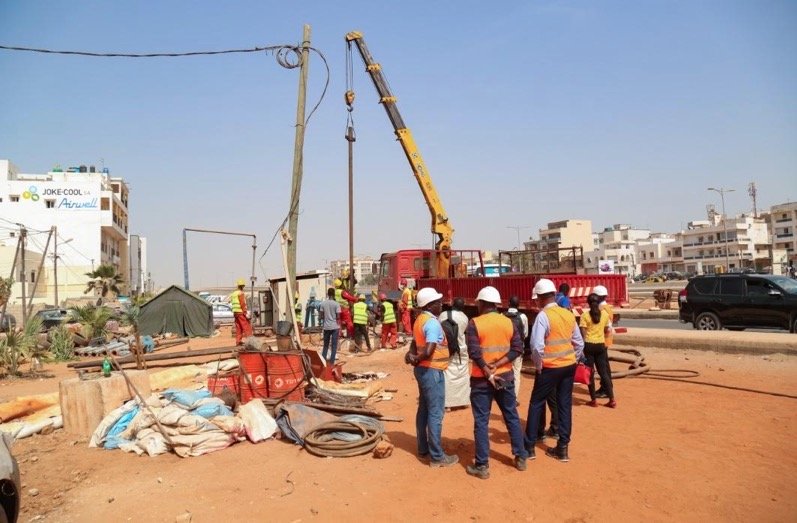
(738, 301)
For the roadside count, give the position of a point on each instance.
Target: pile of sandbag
(194, 423)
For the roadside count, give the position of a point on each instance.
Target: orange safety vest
(559, 350)
(495, 338)
(609, 337)
(439, 359)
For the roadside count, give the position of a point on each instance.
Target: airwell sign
(62, 197)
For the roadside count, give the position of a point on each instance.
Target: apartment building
(365, 268)
(740, 242)
(559, 247)
(617, 244)
(783, 229)
(89, 210)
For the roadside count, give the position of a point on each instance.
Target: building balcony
(784, 220)
(785, 235)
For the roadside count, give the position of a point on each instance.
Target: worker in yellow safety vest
(344, 299)
(361, 324)
(603, 294)
(243, 328)
(388, 315)
(556, 346)
(405, 307)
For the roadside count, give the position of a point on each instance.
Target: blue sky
(526, 112)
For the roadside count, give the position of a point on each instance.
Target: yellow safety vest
(559, 350)
(390, 313)
(360, 313)
(235, 301)
(344, 304)
(406, 295)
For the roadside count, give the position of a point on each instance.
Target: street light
(517, 229)
(722, 192)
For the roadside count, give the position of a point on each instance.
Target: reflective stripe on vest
(344, 304)
(495, 338)
(562, 322)
(439, 359)
(390, 314)
(360, 313)
(235, 301)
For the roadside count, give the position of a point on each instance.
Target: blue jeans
(330, 338)
(482, 395)
(431, 405)
(558, 380)
(309, 316)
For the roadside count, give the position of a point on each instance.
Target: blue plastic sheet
(112, 440)
(186, 398)
(212, 409)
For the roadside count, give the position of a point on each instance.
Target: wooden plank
(157, 357)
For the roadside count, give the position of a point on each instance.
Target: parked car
(739, 301)
(9, 481)
(222, 313)
(52, 317)
(9, 323)
(674, 275)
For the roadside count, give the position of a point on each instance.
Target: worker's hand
(491, 367)
(411, 359)
(248, 315)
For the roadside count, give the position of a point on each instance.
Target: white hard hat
(489, 294)
(600, 290)
(543, 286)
(426, 296)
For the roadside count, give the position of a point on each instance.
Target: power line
(272, 48)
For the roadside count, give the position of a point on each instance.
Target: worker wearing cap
(429, 355)
(360, 310)
(494, 341)
(603, 293)
(405, 306)
(344, 298)
(388, 316)
(243, 328)
(556, 346)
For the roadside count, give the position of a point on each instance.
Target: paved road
(675, 324)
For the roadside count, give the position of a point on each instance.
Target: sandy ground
(670, 451)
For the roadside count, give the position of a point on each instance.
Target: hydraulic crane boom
(440, 224)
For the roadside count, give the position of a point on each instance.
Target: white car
(222, 313)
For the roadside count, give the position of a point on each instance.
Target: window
(50, 204)
(756, 287)
(704, 285)
(105, 204)
(731, 286)
(32, 276)
(14, 197)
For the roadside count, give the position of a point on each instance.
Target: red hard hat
(403, 281)
(382, 296)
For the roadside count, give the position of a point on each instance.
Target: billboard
(605, 266)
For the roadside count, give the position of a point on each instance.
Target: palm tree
(104, 279)
(131, 317)
(92, 320)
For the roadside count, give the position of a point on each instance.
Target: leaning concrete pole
(296, 184)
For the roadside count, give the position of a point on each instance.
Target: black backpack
(451, 330)
(515, 317)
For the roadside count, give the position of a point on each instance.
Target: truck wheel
(707, 321)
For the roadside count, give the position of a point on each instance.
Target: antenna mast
(751, 190)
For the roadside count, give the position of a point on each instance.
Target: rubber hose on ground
(320, 441)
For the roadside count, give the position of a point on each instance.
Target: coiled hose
(334, 438)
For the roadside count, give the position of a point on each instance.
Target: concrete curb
(643, 314)
(717, 341)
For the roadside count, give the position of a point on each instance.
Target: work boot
(447, 461)
(592, 403)
(480, 471)
(600, 393)
(532, 454)
(520, 463)
(611, 404)
(551, 433)
(558, 452)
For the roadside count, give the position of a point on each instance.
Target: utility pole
(55, 265)
(518, 228)
(722, 192)
(298, 159)
(351, 139)
(751, 190)
(23, 237)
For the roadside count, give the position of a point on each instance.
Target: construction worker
(388, 315)
(329, 313)
(494, 342)
(297, 310)
(521, 322)
(405, 306)
(361, 324)
(556, 346)
(429, 355)
(344, 298)
(603, 293)
(243, 328)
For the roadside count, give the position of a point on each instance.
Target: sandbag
(98, 438)
(187, 398)
(258, 422)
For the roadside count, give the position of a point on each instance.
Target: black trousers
(558, 380)
(360, 332)
(597, 355)
(552, 406)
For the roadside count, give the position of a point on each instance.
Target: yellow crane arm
(440, 224)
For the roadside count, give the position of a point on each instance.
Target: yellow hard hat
(240, 282)
(361, 297)
(337, 282)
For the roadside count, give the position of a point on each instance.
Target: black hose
(321, 442)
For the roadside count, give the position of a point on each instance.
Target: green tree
(104, 280)
(5, 289)
(92, 320)
(19, 345)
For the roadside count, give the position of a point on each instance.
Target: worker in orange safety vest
(243, 328)
(345, 299)
(405, 307)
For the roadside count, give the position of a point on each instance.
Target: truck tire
(707, 321)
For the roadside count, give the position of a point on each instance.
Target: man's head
(458, 304)
(430, 300)
(331, 293)
(241, 283)
(564, 288)
(488, 299)
(544, 291)
(514, 301)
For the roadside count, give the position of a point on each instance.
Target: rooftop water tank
(92, 169)
(83, 169)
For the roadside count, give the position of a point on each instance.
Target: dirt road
(670, 451)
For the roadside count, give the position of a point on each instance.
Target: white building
(617, 244)
(661, 252)
(740, 242)
(783, 227)
(140, 281)
(89, 212)
(363, 267)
